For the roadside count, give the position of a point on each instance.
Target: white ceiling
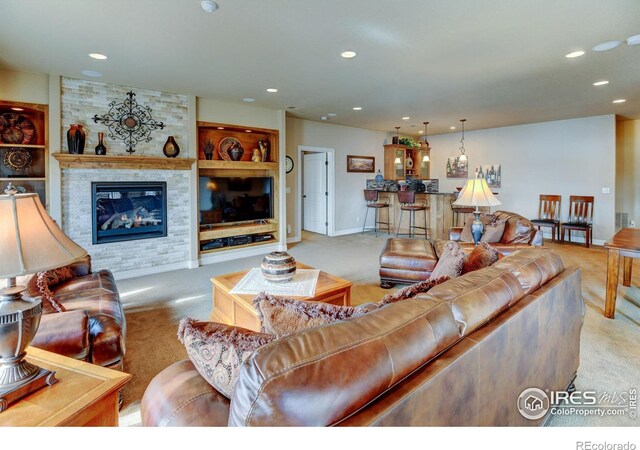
(494, 62)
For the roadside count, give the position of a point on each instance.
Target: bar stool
(407, 201)
(371, 201)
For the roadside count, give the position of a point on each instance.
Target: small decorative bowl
(278, 267)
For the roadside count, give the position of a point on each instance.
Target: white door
(314, 192)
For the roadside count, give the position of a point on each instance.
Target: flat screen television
(233, 199)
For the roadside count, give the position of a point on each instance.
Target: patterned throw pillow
(483, 255)
(450, 262)
(42, 281)
(217, 351)
(412, 291)
(492, 232)
(281, 316)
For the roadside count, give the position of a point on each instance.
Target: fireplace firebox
(125, 211)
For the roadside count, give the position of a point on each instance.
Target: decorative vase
(278, 267)
(236, 152)
(100, 148)
(264, 149)
(256, 156)
(379, 178)
(75, 139)
(208, 150)
(171, 148)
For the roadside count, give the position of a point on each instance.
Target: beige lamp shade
(476, 192)
(30, 241)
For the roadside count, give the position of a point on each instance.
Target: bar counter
(439, 214)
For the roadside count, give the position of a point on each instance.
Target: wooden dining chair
(580, 218)
(549, 210)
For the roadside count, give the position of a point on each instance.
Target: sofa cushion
(477, 297)
(483, 255)
(66, 334)
(532, 266)
(518, 230)
(412, 290)
(492, 231)
(218, 350)
(103, 279)
(408, 254)
(450, 263)
(322, 375)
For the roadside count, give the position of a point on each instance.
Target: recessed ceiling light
(633, 40)
(348, 54)
(619, 100)
(208, 6)
(91, 73)
(220, 128)
(97, 56)
(248, 99)
(17, 109)
(332, 114)
(247, 131)
(452, 128)
(420, 131)
(291, 107)
(357, 108)
(601, 83)
(603, 47)
(574, 54)
(323, 118)
(272, 90)
(406, 118)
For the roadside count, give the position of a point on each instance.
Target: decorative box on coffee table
(237, 309)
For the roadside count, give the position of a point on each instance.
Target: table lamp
(476, 193)
(30, 242)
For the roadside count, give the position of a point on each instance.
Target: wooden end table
(625, 243)
(237, 309)
(85, 395)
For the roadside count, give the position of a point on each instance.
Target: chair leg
(399, 224)
(426, 235)
(553, 233)
(587, 237)
(375, 224)
(366, 213)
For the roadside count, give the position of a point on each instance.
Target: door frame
(331, 185)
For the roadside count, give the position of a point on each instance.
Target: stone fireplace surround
(80, 100)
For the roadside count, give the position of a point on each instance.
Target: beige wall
(24, 87)
(567, 157)
(211, 110)
(349, 211)
(628, 169)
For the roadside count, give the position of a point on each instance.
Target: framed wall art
(361, 164)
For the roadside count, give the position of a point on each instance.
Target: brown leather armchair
(413, 260)
(93, 327)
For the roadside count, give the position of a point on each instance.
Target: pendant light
(396, 138)
(463, 157)
(425, 158)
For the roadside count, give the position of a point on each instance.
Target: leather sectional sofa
(413, 260)
(93, 327)
(460, 354)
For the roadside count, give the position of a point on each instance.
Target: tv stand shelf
(214, 165)
(237, 230)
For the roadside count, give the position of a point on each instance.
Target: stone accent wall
(129, 255)
(82, 99)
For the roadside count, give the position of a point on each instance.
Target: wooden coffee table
(85, 395)
(234, 309)
(625, 243)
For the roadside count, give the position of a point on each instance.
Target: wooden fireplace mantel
(74, 161)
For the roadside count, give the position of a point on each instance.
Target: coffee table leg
(613, 263)
(626, 273)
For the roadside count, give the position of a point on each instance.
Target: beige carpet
(154, 304)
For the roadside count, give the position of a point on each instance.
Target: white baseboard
(194, 264)
(240, 253)
(123, 275)
(348, 231)
(578, 240)
(294, 239)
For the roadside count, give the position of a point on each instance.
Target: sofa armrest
(179, 396)
(65, 333)
(81, 267)
(455, 233)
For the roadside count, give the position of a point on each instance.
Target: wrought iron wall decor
(129, 122)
